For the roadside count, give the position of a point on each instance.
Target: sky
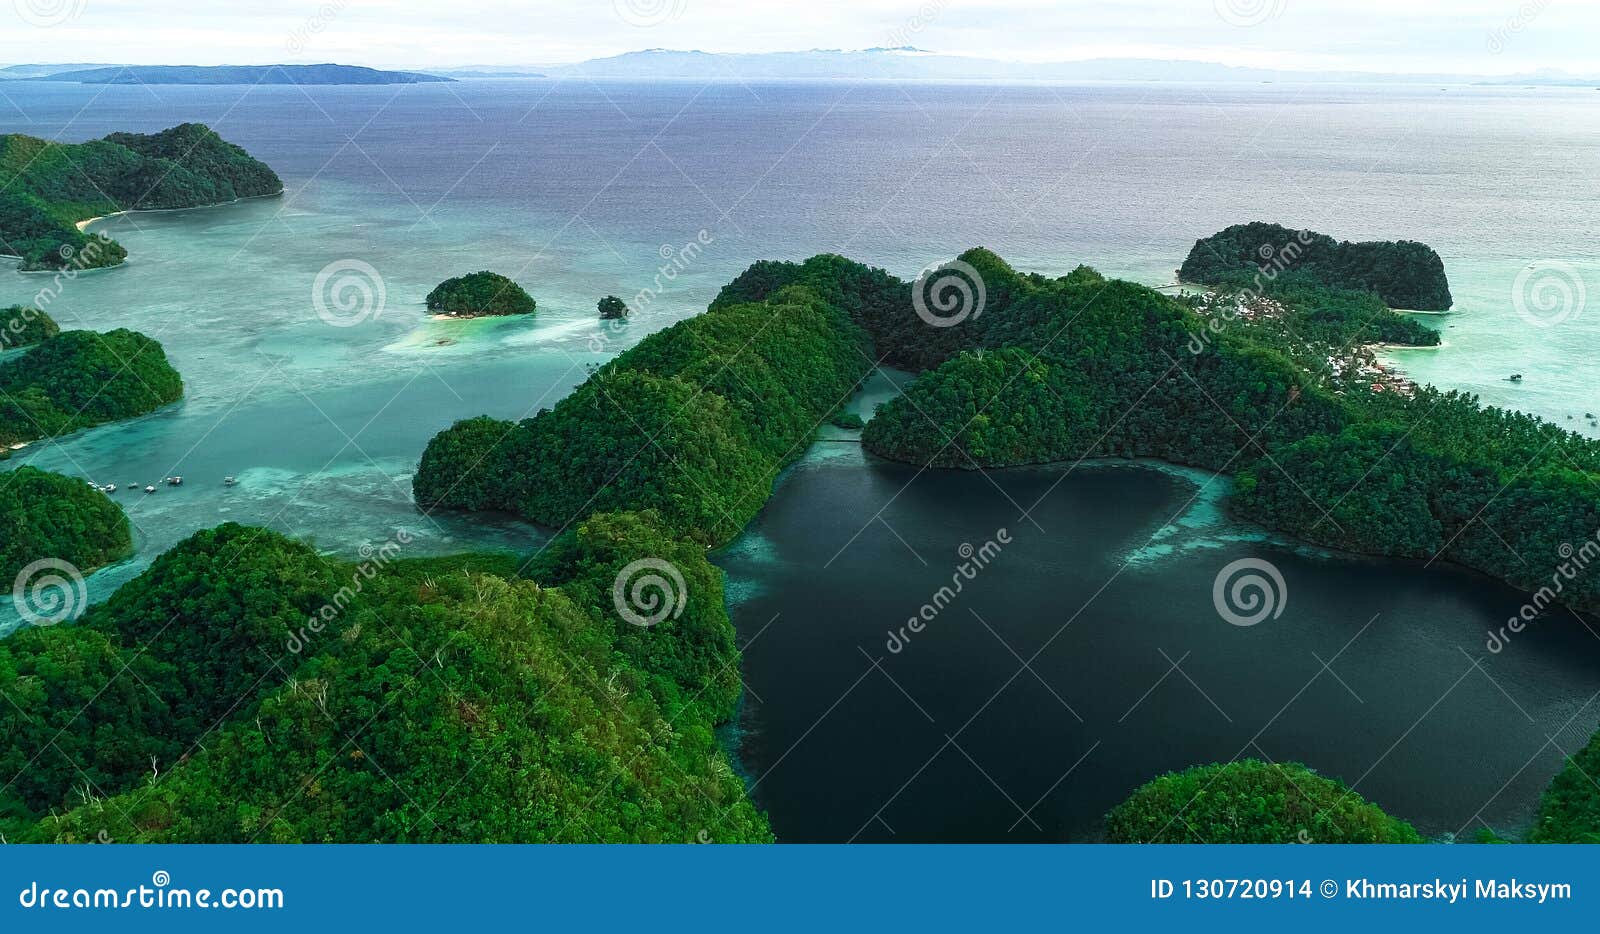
(1475, 37)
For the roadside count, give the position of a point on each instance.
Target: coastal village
(1354, 366)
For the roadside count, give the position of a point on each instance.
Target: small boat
(149, 489)
(1515, 377)
(109, 488)
(174, 481)
(228, 481)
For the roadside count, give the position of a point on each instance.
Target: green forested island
(46, 515)
(80, 379)
(1249, 801)
(22, 326)
(47, 188)
(480, 294)
(402, 701)
(1404, 273)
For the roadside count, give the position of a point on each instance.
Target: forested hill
(1404, 273)
(47, 187)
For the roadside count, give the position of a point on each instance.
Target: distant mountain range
(896, 64)
(40, 71)
(217, 74)
(911, 64)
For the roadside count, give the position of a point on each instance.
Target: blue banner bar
(813, 888)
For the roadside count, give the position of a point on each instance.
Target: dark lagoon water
(578, 189)
(1106, 591)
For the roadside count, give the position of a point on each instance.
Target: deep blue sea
(581, 189)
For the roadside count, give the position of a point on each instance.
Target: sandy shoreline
(84, 224)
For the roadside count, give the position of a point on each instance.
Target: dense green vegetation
(1404, 273)
(1570, 809)
(277, 697)
(1082, 366)
(612, 307)
(46, 515)
(480, 294)
(46, 188)
(694, 422)
(1250, 801)
(79, 379)
(23, 327)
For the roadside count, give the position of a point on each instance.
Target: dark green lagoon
(1109, 585)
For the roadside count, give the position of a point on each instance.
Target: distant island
(1404, 273)
(480, 295)
(48, 189)
(240, 74)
